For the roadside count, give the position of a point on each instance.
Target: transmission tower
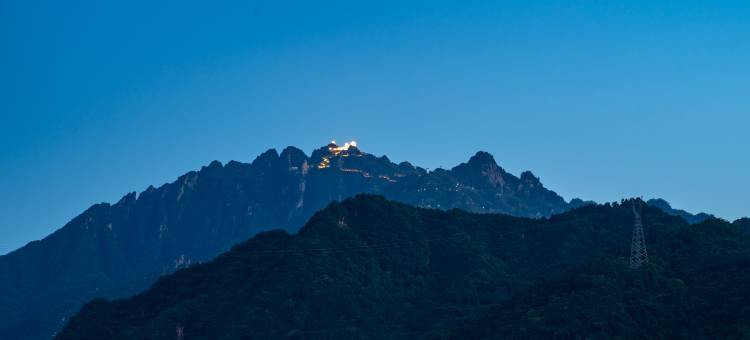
(638, 253)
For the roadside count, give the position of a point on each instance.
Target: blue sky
(601, 99)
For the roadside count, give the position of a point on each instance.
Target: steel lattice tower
(638, 253)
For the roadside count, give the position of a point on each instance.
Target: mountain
(667, 208)
(116, 250)
(372, 268)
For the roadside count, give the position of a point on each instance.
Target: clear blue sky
(602, 100)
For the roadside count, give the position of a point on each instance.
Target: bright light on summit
(336, 149)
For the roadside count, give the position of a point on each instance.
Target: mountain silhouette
(116, 250)
(667, 208)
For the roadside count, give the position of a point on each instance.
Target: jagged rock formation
(115, 250)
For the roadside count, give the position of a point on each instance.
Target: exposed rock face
(117, 250)
(482, 171)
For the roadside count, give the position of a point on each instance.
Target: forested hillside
(697, 286)
(372, 268)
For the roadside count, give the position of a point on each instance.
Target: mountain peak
(481, 170)
(293, 157)
(291, 150)
(482, 158)
(129, 198)
(659, 203)
(528, 176)
(348, 147)
(663, 205)
(266, 158)
(212, 167)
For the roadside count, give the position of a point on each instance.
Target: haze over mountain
(115, 250)
(376, 269)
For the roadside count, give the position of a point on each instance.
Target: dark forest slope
(372, 268)
(697, 286)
